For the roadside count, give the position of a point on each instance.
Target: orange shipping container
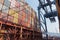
(28, 25)
(24, 14)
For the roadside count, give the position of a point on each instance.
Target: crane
(43, 4)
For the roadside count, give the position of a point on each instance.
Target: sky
(52, 27)
(33, 4)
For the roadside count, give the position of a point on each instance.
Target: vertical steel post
(0, 25)
(21, 33)
(46, 28)
(39, 16)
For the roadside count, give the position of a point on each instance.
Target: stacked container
(17, 11)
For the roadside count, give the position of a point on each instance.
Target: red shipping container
(22, 22)
(25, 24)
(20, 16)
(19, 21)
(4, 16)
(10, 18)
(23, 18)
(20, 12)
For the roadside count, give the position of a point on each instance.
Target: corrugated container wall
(17, 11)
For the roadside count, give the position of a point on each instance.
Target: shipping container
(7, 3)
(18, 19)
(11, 12)
(5, 9)
(4, 16)
(10, 18)
(15, 20)
(1, 6)
(18, 12)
